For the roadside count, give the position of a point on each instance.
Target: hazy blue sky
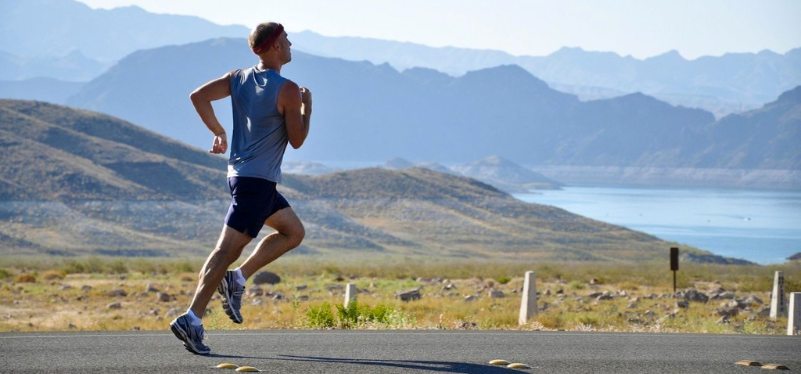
(641, 28)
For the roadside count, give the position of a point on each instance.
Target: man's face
(286, 54)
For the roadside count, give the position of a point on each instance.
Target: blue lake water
(759, 226)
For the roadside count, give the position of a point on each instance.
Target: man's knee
(295, 234)
(230, 245)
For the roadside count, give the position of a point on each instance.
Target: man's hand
(305, 98)
(294, 103)
(220, 144)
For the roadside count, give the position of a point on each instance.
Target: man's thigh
(284, 221)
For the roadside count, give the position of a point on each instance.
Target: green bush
(588, 320)
(186, 267)
(320, 316)
(91, 265)
(118, 267)
(380, 313)
(348, 317)
(355, 314)
(576, 285)
(504, 279)
(4, 274)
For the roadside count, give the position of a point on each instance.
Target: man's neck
(267, 64)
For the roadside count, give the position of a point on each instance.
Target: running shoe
(231, 292)
(191, 335)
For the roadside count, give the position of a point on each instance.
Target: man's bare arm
(201, 98)
(296, 105)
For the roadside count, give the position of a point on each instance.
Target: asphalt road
(334, 352)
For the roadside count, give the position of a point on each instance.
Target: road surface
(337, 351)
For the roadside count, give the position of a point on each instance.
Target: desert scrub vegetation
(356, 315)
(96, 293)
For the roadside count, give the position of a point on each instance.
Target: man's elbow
(194, 96)
(296, 144)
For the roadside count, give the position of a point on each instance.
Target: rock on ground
(266, 277)
(117, 293)
(409, 295)
(695, 295)
(114, 306)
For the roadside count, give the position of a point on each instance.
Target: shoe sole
(182, 336)
(222, 289)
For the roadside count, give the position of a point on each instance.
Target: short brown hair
(260, 33)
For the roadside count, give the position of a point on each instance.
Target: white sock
(239, 277)
(195, 321)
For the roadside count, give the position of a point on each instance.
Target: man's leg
(229, 248)
(188, 327)
(289, 233)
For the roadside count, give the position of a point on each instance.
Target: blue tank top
(259, 138)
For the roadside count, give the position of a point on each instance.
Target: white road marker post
(778, 304)
(794, 319)
(528, 306)
(350, 294)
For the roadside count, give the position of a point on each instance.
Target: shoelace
(202, 333)
(238, 291)
(197, 332)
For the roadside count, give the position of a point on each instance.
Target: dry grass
(52, 303)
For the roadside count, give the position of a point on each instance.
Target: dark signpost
(674, 265)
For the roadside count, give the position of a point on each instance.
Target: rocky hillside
(77, 182)
(57, 153)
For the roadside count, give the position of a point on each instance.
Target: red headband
(267, 43)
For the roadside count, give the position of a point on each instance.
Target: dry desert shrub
(52, 275)
(26, 278)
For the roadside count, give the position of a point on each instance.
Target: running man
(269, 112)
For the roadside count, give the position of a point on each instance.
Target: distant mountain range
(72, 67)
(495, 171)
(67, 40)
(48, 28)
(42, 89)
(734, 82)
(366, 112)
(78, 183)
(506, 175)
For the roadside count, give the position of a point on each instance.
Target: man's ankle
(195, 320)
(240, 277)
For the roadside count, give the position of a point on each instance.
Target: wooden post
(528, 306)
(794, 317)
(674, 265)
(778, 304)
(350, 294)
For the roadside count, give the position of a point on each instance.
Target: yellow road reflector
(226, 365)
(748, 363)
(775, 367)
(499, 362)
(247, 368)
(518, 365)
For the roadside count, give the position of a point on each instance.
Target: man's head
(270, 39)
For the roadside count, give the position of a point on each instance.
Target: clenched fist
(305, 97)
(220, 144)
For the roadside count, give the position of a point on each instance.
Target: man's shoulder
(289, 87)
(290, 84)
(241, 71)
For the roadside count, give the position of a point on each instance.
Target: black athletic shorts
(253, 200)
